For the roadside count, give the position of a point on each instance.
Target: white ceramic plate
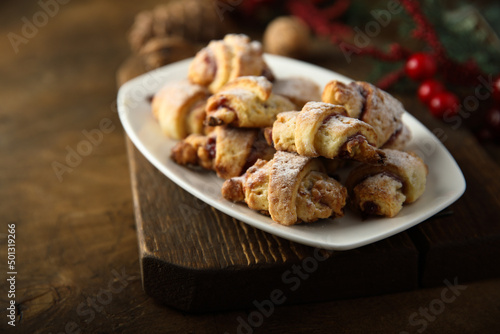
(445, 183)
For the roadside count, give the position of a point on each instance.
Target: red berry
(420, 66)
(493, 120)
(444, 103)
(428, 89)
(496, 89)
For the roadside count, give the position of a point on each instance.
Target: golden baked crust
(195, 122)
(179, 108)
(291, 188)
(399, 139)
(347, 95)
(197, 150)
(368, 103)
(299, 90)
(227, 151)
(382, 189)
(379, 195)
(224, 60)
(237, 149)
(321, 129)
(246, 102)
(252, 187)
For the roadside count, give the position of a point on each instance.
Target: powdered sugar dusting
(283, 182)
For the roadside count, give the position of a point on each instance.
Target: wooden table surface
(77, 258)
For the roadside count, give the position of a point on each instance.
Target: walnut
(159, 51)
(192, 20)
(287, 36)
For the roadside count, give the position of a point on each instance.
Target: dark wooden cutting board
(196, 258)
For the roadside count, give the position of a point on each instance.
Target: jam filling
(222, 103)
(394, 136)
(364, 93)
(370, 208)
(210, 147)
(356, 139)
(210, 65)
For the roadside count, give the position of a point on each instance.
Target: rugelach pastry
(290, 188)
(246, 102)
(224, 60)
(323, 129)
(399, 139)
(368, 103)
(383, 189)
(227, 151)
(179, 108)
